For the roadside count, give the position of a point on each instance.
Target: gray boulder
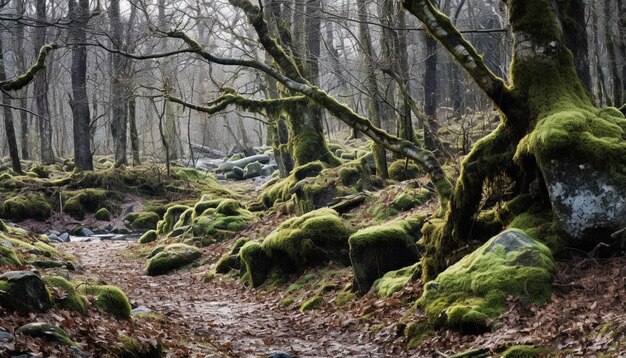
(46, 331)
(65, 237)
(253, 170)
(239, 172)
(24, 292)
(5, 336)
(241, 163)
(589, 205)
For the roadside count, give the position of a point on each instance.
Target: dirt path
(222, 313)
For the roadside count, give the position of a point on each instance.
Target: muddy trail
(222, 318)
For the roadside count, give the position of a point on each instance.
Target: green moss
(71, 299)
(476, 288)
(227, 263)
(39, 171)
(280, 190)
(170, 218)
(309, 240)
(174, 256)
(522, 351)
(148, 236)
(185, 219)
(109, 299)
(78, 203)
(218, 227)
(3, 227)
(418, 332)
(301, 282)
(228, 207)
(43, 247)
(103, 214)
(130, 347)
(401, 171)
(312, 303)
(8, 256)
(407, 201)
(49, 332)
(27, 206)
(143, 220)
(201, 206)
(343, 298)
(256, 263)
(394, 281)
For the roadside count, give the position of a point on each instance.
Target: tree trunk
(132, 124)
(40, 89)
(402, 68)
(170, 127)
(612, 59)
(21, 66)
(575, 37)
(430, 92)
(8, 119)
(79, 14)
(371, 85)
(119, 119)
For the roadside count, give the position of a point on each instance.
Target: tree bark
(430, 92)
(41, 91)
(119, 119)
(8, 119)
(21, 66)
(79, 15)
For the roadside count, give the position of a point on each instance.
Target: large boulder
(173, 256)
(377, 250)
(241, 163)
(589, 205)
(24, 292)
(474, 290)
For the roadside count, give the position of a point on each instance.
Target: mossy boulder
(78, 203)
(148, 236)
(394, 281)
(27, 206)
(109, 299)
(411, 199)
(48, 332)
(3, 227)
(377, 250)
(231, 260)
(281, 190)
(143, 220)
(312, 239)
(8, 256)
(69, 299)
(24, 292)
(256, 263)
(171, 217)
(470, 293)
(103, 214)
(172, 257)
(400, 170)
(312, 303)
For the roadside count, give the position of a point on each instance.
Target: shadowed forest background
(312, 178)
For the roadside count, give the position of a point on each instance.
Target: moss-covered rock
(109, 299)
(148, 236)
(70, 299)
(409, 200)
(8, 256)
(474, 290)
(171, 217)
(312, 239)
(231, 260)
(394, 281)
(377, 250)
(256, 263)
(173, 256)
(48, 332)
(143, 220)
(281, 190)
(312, 303)
(103, 214)
(3, 227)
(400, 170)
(27, 206)
(78, 203)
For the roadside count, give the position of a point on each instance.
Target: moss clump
(148, 236)
(78, 203)
(3, 227)
(280, 190)
(173, 256)
(394, 281)
(171, 217)
(109, 299)
(418, 332)
(129, 347)
(48, 332)
(343, 298)
(400, 170)
(309, 240)
(103, 214)
(231, 260)
(475, 289)
(8, 256)
(522, 351)
(71, 299)
(256, 263)
(407, 201)
(377, 250)
(45, 248)
(27, 206)
(144, 220)
(312, 303)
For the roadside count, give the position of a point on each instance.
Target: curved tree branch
(27, 77)
(441, 28)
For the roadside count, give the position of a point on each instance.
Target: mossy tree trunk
(8, 119)
(548, 123)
